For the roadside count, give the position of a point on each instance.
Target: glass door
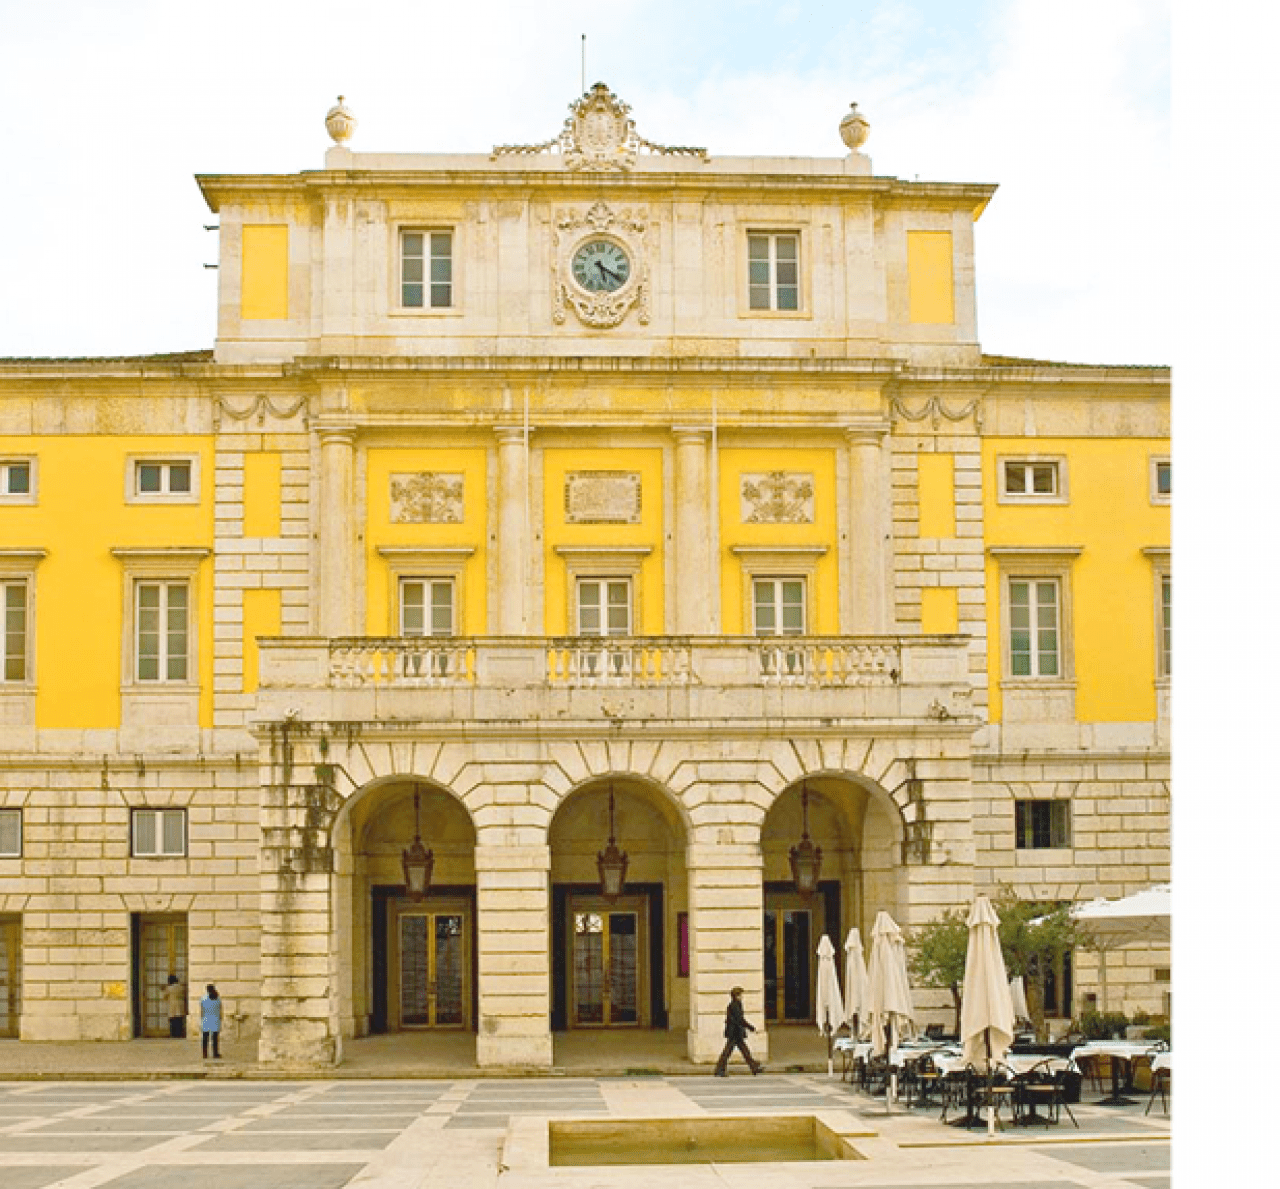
(788, 964)
(433, 990)
(162, 951)
(606, 944)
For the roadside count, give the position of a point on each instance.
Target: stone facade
(515, 573)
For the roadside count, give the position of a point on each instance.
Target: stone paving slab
(1116, 1157)
(235, 1176)
(37, 1178)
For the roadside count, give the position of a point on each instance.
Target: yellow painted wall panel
(261, 618)
(262, 494)
(820, 535)
(264, 271)
(467, 535)
(79, 517)
(1111, 516)
(939, 610)
(648, 592)
(937, 495)
(931, 277)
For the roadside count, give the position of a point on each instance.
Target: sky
(112, 107)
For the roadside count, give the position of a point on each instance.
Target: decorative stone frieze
(427, 497)
(777, 497)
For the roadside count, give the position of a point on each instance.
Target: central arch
(616, 964)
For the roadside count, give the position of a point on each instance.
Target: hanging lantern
(417, 860)
(806, 859)
(612, 863)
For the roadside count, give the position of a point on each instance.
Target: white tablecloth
(1124, 1050)
(1162, 1061)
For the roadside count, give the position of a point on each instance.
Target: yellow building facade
(576, 495)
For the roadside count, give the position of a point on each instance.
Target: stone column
(726, 942)
(696, 580)
(513, 939)
(299, 987)
(337, 543)
(511, 607)
(867, 608)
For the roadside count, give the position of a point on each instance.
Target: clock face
(601, 266)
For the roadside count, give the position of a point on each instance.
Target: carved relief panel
(602, 497)
(427, 497)
(777, 497)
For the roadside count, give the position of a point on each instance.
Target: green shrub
(1162, 1032)
(1101, 1025)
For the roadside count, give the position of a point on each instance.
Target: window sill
(1038, 684)
(426, 312)
(785, 315)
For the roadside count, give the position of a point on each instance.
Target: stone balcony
(544, 680)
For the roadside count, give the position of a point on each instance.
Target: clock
(601, 266)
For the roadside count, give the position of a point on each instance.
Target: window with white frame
(773, 270)
(778, 609)
(1161, 480)
(427, 608)
(1042, 825)
(162, 630)
(17, 480)
(1033, 480)
(10, 833)
(1035, 627)
(604, 606)
(426, 269)
(1165, 581)
(159, 833)
(15, 641)
(163, 480)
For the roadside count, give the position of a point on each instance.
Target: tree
(1034, 938)
(936, 954)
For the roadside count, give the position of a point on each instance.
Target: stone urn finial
(340, 123)
(854, 128)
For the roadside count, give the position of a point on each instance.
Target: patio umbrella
(830, 1009)
(889, 1009)
(1142, 917)
(855, 983)
(1018, 993)
(986, 1014)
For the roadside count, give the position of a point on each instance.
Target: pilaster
(513, 532)
(695, 609)
(867, 605)
(337, 531)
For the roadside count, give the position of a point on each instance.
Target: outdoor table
(1117, 1050)
(1023, 1063)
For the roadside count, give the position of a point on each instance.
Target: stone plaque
(427, 497)
(602, 497)
(777, 497)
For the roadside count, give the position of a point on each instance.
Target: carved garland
(260, 406)
(936, 410)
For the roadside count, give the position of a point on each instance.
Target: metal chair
(1161, 1080)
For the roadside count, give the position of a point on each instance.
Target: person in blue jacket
(210, 1021)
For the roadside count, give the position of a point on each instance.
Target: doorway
(606, 943)
(159, 950)
(434, 968)
(10, 974)
(792, 926)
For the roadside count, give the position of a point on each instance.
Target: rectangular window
(604, 607)
(10, 833)
(1166, 625)
(1031, 480)
(773, 270)
(13, 643)
(426, 269)
(1161, 480)
(1041, 825)
(17, 479)
(159, 833)
(778, 606)
(426, 607)
(1034, 627)
(162, 479)
(162, 625)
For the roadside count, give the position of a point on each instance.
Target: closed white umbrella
(855, 984)
(986, 1015)
(1018, 993)
(889, 1009)
(830, 1008)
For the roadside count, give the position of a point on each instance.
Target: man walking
(736, 1028)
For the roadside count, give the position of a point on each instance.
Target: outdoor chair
(1097, 1068)
(1161, 1081)
(1040, 1094)
(926, 1082)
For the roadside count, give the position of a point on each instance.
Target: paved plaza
(462, 1134)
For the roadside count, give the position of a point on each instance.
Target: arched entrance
(860, 872)
(616, 962)
(411, 961)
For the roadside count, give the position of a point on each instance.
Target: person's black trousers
(741, 1045)
(204, 1043)
(177, 1026)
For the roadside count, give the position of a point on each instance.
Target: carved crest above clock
(600, 269)
(599, 135)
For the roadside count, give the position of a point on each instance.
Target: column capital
(690, 435)
(866, 433)
(337, 434)
(510, 434)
